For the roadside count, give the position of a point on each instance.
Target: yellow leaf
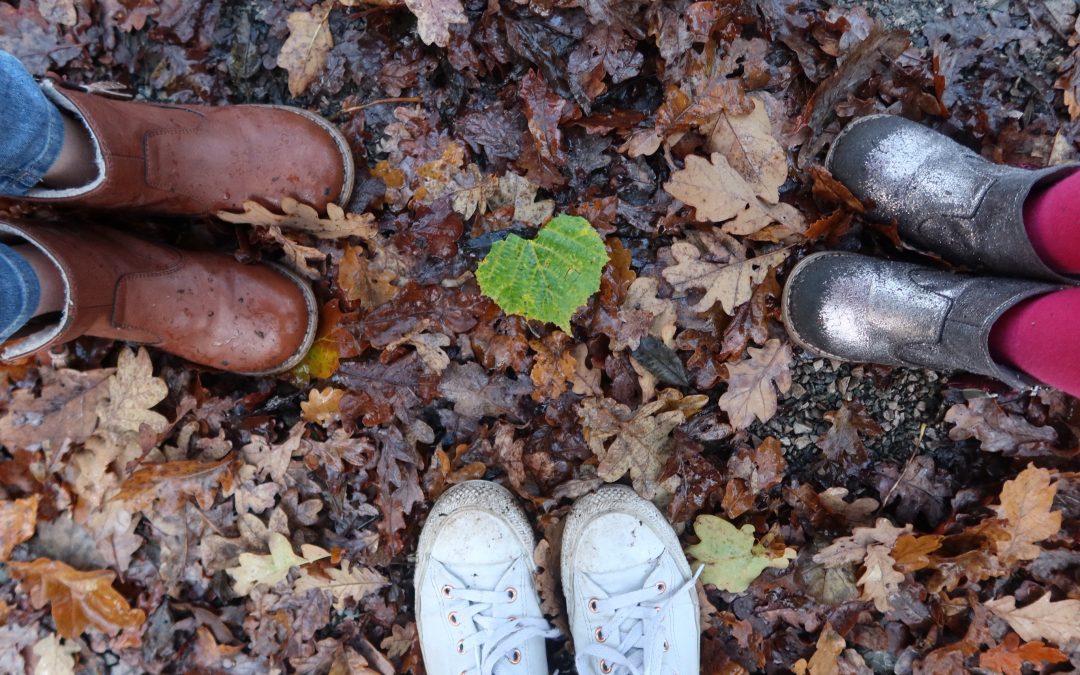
(731, 558)
(322, 406)
(267, 570)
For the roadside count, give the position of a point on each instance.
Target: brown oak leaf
(1025, 507)
(731, 284)
(1043, 619)
(636, 442)
(80, 600)
(18, 519)
(753, 384)
(996, 430)
(305, 51)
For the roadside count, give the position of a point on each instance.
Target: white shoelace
(496, 638)
(637, 649)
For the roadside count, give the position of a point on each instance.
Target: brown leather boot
(205, 307)
(196, 160)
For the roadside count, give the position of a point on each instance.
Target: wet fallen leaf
(1009, 657)
(547, 278)
(636, 441)
(1025, 506)
(825, 659)
(731, 557)
(996, 430)
(729, 284)
(18, 519)
(322, 405)
(434, 18)
(80, 600)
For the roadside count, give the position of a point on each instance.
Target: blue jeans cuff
(20, 291)
(33, 129)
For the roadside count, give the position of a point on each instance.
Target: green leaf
(732, 560)
(549, 277)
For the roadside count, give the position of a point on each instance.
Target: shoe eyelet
(667, 646)
(460, 647)
(594, 605)
(515, 657)
(661, 587)
(599, 635)
(447, 591)
(453, 619)
(605, 667)
(511, 594)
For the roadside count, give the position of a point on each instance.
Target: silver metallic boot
(856, 308)
(942, 196)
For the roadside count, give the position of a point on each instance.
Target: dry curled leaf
(80, 600)
(1043, 619)
(305, 51)
(731, 284)
(1025, 506)
(303, 218)
(825, 659)
(753, 384)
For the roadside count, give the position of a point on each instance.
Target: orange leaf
(912, 553)
(17, 522)
(80, 600)
(322, 406)
(172, 483)
(1009, 657)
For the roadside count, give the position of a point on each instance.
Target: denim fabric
(33, 130)
(19, 291)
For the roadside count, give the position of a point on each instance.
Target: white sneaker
(629, 591)
(477, 609)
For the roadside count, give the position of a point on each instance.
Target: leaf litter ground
(159, 518)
